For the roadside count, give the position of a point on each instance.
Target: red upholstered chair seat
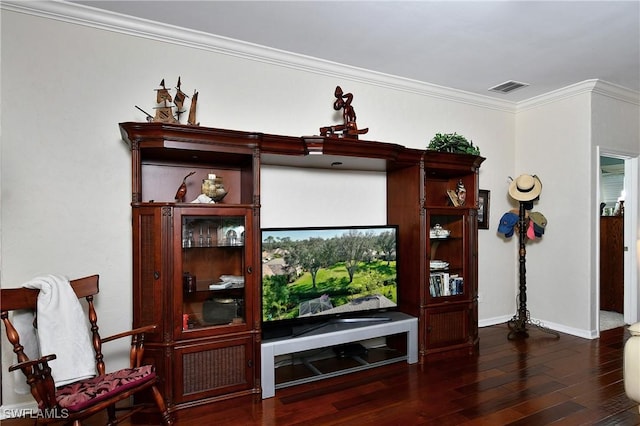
(79, 395)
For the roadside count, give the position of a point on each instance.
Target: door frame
(631, 285)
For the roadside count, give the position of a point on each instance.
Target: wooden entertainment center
(208, 345)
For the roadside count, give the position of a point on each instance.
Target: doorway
(618, 288)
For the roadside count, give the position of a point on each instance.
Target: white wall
(557, 136)
(559, 264)
(65, 173)
(617, 131)
(315, 197)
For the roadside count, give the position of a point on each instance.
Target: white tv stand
(337, 333)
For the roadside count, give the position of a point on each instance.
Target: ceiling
(465, 45)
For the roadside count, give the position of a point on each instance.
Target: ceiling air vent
(508, 86)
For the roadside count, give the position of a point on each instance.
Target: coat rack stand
(521, 320)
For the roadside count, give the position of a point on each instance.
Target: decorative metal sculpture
(349, 128)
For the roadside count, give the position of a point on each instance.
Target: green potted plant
(454, 143)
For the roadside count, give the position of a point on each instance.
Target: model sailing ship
(170, 109)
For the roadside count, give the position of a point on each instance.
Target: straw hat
(525, 188)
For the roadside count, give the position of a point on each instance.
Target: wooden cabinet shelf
(443, 268)
(208, 342)
(195, 264)
(612, 263)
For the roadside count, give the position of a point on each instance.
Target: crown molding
(557, 95)
(137, 27)
(593, 86)
(617, 92)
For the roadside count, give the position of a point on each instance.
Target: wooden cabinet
(195, 270)
(612, 263)
(196, 266)
(440, 283)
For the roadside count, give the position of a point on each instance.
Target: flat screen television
(313, 275)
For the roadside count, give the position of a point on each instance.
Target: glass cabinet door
(446, 257)
(213, 259)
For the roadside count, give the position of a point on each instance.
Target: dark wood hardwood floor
(540, 380)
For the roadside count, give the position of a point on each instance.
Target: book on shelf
(445, 284)
(219, 286)
(228, 281)
(457, 285)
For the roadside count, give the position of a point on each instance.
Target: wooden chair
(77, 401)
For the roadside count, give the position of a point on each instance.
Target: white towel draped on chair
(62, 329)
